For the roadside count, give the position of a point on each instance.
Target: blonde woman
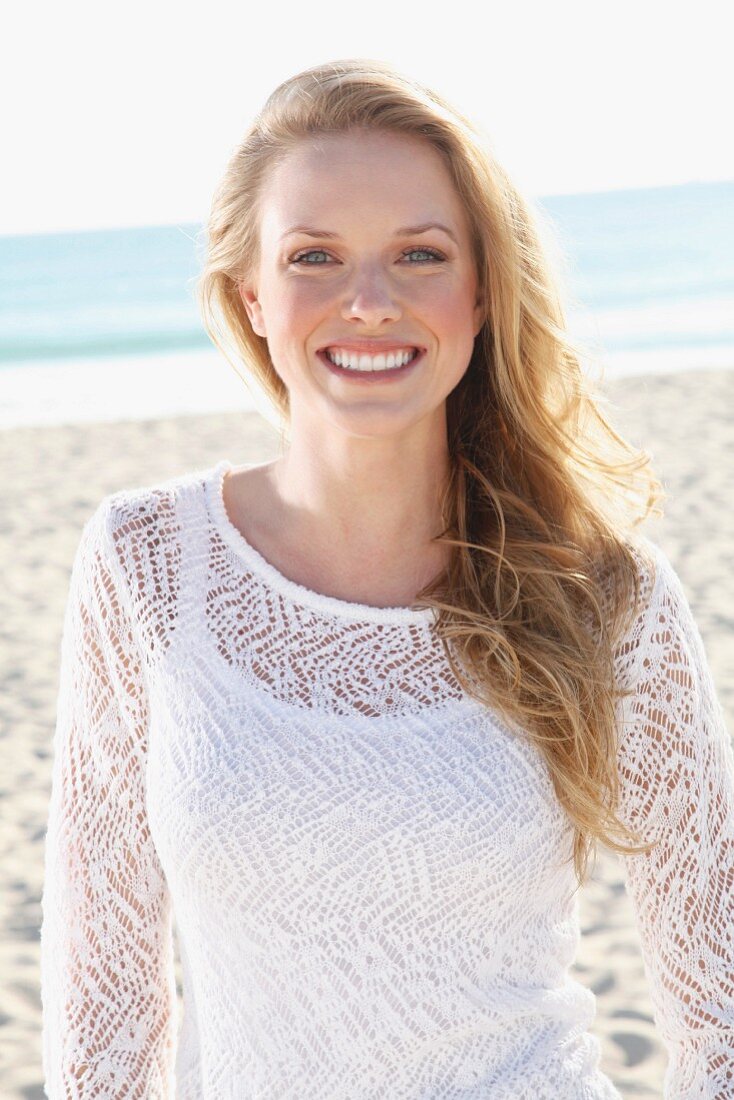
(356, 717)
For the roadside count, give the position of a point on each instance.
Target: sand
(52, 479)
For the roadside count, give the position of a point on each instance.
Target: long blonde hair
(543, 493)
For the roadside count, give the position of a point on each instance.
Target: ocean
(104, 324)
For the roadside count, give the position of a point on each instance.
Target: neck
(376, 502)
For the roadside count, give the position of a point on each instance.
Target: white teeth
(353, 361)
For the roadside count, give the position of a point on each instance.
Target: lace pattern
(369, 872)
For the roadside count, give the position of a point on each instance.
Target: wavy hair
(543, 494)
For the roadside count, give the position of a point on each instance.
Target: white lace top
(367, 872)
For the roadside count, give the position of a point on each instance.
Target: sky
(126, 114)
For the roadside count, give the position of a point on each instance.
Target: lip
(372, 347)
(366, 378)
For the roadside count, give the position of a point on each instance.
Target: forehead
(383, 176)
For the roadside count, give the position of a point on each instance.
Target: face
(365, 251)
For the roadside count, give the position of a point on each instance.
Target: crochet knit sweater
(366, 871)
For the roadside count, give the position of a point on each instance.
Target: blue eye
(311, 252)
(430, 252)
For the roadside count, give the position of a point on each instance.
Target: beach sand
(53, 478)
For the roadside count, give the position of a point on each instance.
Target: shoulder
(653, 569)
(136, 537)
(660, 582)
(662, 630)
(146, 515)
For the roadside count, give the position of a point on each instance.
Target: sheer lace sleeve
(677, 774)
(107, 973)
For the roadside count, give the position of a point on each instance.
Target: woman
(357, 716)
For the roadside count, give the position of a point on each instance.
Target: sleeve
(107, 971)
(677, 785)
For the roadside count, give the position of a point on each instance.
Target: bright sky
(125, 114)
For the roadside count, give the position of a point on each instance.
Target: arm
(107, 977)
(677, 775)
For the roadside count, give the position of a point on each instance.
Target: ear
(480, 316)
(254, 309)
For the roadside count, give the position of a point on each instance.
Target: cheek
(449, 310)
(303, 298)
(288, 300)
(294, 312)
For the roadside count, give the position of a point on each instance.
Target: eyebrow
(405, 231)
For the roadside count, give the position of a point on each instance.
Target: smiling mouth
(390, 362)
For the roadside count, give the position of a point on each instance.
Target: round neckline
(296, 593)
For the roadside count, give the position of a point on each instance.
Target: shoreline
(125, 388)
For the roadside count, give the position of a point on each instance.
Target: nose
(370, 298)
